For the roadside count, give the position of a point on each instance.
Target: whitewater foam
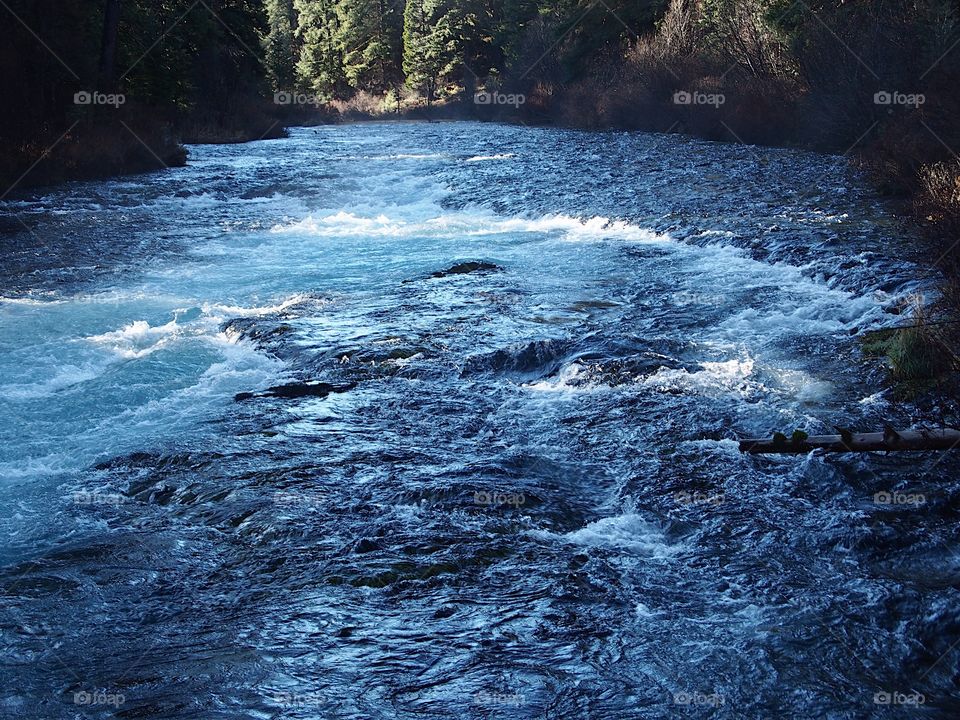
(729, 376)
(573, 378)
(476, 223)
(481, 158)
(629, 532)
(139, 339)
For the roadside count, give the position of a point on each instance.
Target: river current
(439, 420)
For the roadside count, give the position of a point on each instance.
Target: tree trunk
(108, 46)
(889, 440)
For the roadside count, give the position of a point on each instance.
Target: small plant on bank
(918, 357)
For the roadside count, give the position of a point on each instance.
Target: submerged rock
(256, 329)
(467, 267)
(310, 388)
(367, 545)
(537, 358)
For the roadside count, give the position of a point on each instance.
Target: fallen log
(889, 440)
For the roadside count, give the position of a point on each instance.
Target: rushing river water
(438, 420)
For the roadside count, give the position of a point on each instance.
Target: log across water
(888, 440)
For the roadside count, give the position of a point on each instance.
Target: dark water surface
(263, 457)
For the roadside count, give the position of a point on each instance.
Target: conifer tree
(430, 51)
(281, 52)
(371, 39)
(320, 65)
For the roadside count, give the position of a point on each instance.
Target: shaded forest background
(774, 72)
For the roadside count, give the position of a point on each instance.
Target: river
(438, 420)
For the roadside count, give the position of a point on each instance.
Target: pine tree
(371, 39)
(479, 23)
(430, 51)
(515, 16)
(280, 45)
(320, 67)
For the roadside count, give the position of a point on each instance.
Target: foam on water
(35, 302)
(101, 393)
(477, 222)
(569, 380)
(139, 338)
(500, 156)
(629, 532)
(219, 311)
(729, 376)
(107, 428)
(408, 211)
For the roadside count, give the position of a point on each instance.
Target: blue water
(517, 492)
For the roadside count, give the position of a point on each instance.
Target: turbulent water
(439, 420)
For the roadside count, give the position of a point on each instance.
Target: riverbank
(102, 142)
